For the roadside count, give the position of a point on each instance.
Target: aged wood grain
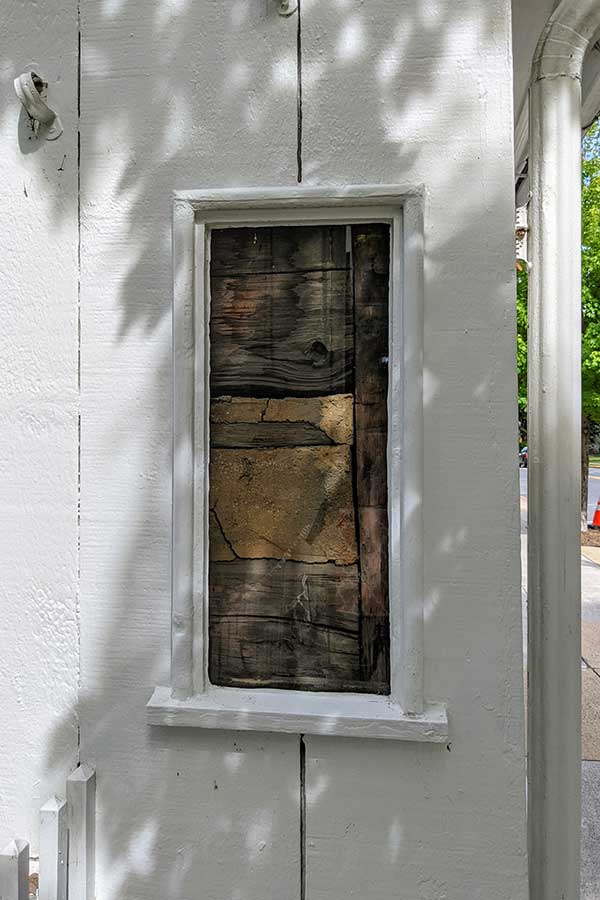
(332, 414)
(286, 503)
(219, 548)
(294, 248)
(374, 615)
(285, 624)
(281, 335)
(267, 434)
(370, 256)
(238, 409)
(298, 575)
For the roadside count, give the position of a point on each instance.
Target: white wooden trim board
(191, 700)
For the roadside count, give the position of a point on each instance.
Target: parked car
(523, 457)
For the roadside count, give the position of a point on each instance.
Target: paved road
(593, 495)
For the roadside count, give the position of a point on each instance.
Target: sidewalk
(590, 712)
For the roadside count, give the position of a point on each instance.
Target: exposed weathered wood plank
(319, 593)
(219, 547)
(281, 335)
(371, 454)
(281, 249)
(267, 434)
(332, 414)
(286, 503)
(283, 503)
(285, 624)
(374, 618)
(370, 257)
(238, 409)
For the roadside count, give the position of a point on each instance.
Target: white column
(554, 434)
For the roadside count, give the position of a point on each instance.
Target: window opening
(298, 518)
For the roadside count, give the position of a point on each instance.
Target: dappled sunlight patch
(482, 390)
(412, 123)
(284, 73)
(394, 841)
(112, 8)
(183, 863)
(168, 10)
(351, 40)
(238, 13)
(233, 761)
(175, 129)
(117, 876)
(98, 62)
(432, 601)
(431, 386)
(389, 63)
(142, 848)
(316, 789)
(452, 541)
(312, 72)
(430, 11)
(259, 835)
(239, 75)
(412, 503)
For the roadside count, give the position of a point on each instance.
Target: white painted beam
(81, 804)
(53, 850)
(299, 712)
(14, 871)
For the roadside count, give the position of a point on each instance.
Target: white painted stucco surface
(178, 94)
(38, 421)
(423, 92)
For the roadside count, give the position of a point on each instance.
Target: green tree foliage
(590, 276)
(522, 349)
(590, 313)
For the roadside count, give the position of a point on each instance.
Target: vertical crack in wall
(299, 92)
(302, 818)
(78, 585)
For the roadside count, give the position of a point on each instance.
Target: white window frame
(191, 699)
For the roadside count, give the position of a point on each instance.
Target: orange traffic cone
(596, 522)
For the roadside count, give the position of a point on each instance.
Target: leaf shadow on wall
(185, 95)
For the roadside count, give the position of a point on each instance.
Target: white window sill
(298, 712)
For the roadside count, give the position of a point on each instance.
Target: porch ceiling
(528, 20)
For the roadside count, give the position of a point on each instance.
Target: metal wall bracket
(31, 90)
(287, 7)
